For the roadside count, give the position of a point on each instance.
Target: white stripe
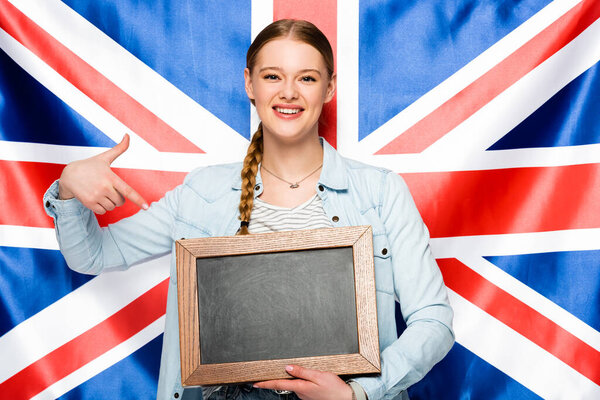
(262, 15)
(516, 243)
(487, 160)
(347, 76)
(465, 76)
(68, 93)
(464, 147)
(535, 368)
(533, 299)
(103, 362)
(470, 250)
(27, 236)
(76, 313)
(520, 100)
(139, 155)
(133, 158)
(133, 76)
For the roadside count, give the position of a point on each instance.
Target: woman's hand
(94, 184)
(311, 384)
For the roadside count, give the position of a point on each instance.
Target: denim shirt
(353, 194)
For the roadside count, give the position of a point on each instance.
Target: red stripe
(91, 82)
(23, 184)
(451, 203)
(322, 13)
(508, 201)
(472, 98)
(86, 347)
(522, 318)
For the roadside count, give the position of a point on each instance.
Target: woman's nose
(288, 90)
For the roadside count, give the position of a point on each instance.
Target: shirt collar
(333, 174)
(237, 183)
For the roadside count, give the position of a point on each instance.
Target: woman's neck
(290, 172)
(292, 161)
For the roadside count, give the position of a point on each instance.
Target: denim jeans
(248, 393)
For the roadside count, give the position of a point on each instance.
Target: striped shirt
(269, 218)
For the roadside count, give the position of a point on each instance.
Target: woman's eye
(271, 76)
(308, 79)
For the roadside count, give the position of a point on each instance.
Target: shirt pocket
(187, 230)
(383, 264)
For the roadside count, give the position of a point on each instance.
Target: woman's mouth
(288, 112)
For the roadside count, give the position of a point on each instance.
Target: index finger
(128, 192)
(294, 385)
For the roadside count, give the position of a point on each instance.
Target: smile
(288, 110)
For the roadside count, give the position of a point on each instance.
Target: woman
(288, 171)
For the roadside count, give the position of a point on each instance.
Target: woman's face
(289, 84)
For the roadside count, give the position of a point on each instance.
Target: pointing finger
(128, 192)
(111, 155)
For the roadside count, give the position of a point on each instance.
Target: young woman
(290, 179)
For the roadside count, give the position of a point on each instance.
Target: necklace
(292, 185)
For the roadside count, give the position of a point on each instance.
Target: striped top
(269, 218)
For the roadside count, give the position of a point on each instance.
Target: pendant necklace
(292, 185)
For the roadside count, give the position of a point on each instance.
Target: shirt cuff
(359, 392)
(55, 206)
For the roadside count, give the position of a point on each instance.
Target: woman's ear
(331, 88)
(248, 84)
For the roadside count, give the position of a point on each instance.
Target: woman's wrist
(64, 194)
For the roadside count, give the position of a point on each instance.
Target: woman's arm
(90, 249)
(420, 290)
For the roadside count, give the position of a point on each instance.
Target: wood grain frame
(366, 361)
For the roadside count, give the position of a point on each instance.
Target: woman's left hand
(311, 384)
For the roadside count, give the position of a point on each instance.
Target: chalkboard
(276, 305)
(250, 305)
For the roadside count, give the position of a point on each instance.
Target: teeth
(288, 110)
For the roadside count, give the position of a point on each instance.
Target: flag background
(488, 109)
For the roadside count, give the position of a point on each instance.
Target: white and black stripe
(269, 218)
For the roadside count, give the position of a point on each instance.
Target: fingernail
(289, 368)
(255, 386)
(145, 206)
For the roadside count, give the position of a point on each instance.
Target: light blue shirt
(352, 193)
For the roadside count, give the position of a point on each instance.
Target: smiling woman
(290, 179)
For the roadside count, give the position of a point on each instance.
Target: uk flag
(488, 109)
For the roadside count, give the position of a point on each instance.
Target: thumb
(302, 373)
(111, 155)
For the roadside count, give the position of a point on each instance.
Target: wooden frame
(188, 251)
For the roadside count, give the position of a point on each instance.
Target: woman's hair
(302, 31)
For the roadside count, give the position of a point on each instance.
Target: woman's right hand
(95, 185)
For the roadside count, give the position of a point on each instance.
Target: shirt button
(176, 395)
(47, 204)
(335, 218)
(321, 188)
(257, 187)
(384, 251)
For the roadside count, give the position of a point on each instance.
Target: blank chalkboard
(276, 305)
(250, 305)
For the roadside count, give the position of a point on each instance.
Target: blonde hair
(302, 31)
(249, 170)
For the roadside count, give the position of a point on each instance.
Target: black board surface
(277, 305)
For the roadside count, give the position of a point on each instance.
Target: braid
(249, 171)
